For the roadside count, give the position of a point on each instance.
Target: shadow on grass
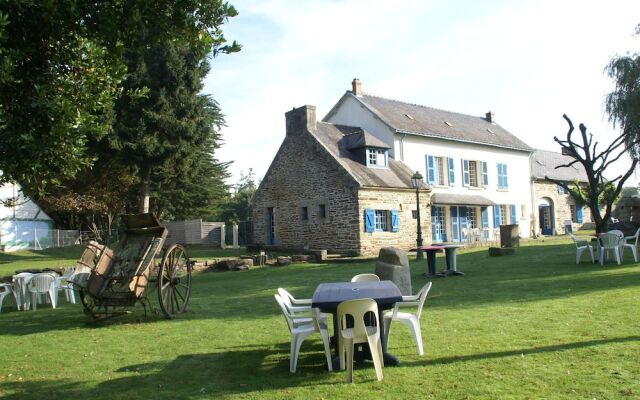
(211, 375)
(521, 352)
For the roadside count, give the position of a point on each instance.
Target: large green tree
(623, 103)
(62, 68)
(170, 133)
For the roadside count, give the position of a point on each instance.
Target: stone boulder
(282, 260)
(393, 265)
(235, 265)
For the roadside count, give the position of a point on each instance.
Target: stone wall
(561, 207)
(305, 179)
(405, 202)
(302, 174)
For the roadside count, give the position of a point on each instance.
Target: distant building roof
(544, 163)
(432, 122)
(337, 139)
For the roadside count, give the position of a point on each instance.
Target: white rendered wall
(519, 187)
(354, 113)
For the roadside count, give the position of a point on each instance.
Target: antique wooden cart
(111, 281)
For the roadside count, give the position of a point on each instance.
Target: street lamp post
(416, 180)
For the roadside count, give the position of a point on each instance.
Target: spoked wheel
(174, 281)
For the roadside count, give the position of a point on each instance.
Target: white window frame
(378, 158)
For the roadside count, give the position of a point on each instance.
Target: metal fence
(39, 239)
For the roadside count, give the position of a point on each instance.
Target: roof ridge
(423, 106)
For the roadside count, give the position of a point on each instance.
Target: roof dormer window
(377, 157)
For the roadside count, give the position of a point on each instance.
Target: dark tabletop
(328, 295)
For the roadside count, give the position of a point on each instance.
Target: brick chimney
(356, 87)
(490, 117)
(300, 120)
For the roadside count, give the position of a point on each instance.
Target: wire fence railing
(39, 239)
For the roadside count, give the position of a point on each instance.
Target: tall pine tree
(169, 133)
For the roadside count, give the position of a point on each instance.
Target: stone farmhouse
(473, 164)
(556, 209)
(344, 184)
(335, 187)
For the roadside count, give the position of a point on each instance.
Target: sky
(528, 61)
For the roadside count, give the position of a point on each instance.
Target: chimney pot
(356, 87)
(490, 117)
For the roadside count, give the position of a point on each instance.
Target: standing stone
(393, 265)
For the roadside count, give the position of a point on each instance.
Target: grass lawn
(530, 326)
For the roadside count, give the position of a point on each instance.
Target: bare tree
(600, 192)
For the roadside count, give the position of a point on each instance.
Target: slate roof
(336, 139)
(544, 163)
(361, 139)
(432, 122)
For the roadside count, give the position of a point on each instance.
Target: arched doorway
(545, 215)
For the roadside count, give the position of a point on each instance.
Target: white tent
(23, 225)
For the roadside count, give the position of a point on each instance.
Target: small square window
(322, 211)
(414, 214)
(304, 213)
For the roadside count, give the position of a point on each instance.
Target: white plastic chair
(64, 283)
(43, 283)
(360, 311)
(581, 246)
(366, 278)
(411, 320)
(20, 292)
(609, 242)
(298, 304)
(284, 293)
(617, 232)
(302, 324)
(6, 290)
(632, 243)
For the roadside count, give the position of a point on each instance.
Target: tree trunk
(145, 190)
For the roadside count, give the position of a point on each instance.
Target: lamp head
(416, 180)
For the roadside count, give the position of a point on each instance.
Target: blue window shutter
(452, 175)
(395, 221)
(484, 214)
(512, 211)
(465, 172)
(504, 174)
(369, 220)
(579, 214)
(496, 216)
(500, 180)
(453, 210)
(431, 170)
(485, 174)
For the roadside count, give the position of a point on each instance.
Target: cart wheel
(174, 281)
